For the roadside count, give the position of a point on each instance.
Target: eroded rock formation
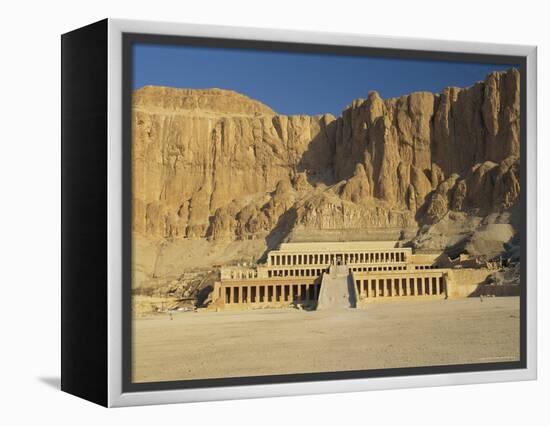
(216, 164)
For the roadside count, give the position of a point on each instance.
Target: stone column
(408, 283)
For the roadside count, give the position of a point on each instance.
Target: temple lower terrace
(338, 274)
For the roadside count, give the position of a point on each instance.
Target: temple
(336, 274)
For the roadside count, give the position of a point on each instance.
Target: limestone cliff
(215, 164)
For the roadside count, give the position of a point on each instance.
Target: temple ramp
(337, 290)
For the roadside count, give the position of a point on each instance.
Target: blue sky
(298, 83)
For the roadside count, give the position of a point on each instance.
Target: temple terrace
(343, 274)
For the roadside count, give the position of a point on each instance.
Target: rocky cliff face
(215, 164)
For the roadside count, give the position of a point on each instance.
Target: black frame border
(129, 39)
(84, 234)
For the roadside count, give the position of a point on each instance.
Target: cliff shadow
(281, 230)
(202, 296)
(317, 161)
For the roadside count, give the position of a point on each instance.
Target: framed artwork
(252, 212)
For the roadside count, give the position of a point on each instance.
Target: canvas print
(297, 213)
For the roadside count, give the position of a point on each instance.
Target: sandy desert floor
(400, 334)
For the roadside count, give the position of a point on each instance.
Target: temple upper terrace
(314, 259)
(319, 254)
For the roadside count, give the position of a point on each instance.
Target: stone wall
(465, 282)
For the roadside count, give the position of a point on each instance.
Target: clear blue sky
(298, 83)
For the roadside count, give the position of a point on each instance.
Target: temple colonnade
(274, 292)
(279, 258)
(371, 286)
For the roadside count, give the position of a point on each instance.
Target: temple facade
(298, 273)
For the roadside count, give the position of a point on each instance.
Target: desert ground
(198, 345)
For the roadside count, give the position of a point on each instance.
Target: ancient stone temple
(326, 275)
